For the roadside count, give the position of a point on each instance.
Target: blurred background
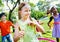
(38, 11)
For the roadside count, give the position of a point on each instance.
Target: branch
(7, 4)
(15, 5)
(13, 9)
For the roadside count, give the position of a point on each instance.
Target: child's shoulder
(9, 22)
(0, 21)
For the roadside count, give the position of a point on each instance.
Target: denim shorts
(7, 38)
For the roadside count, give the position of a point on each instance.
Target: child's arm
(38, 25)
(39, 22)
(51, 18)
(17, 28)
(18, 33)
(0, 30)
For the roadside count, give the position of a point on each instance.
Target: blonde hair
(20, 7)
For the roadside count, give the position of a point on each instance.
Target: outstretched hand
(21, 33)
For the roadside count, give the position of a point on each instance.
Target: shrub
(37, 14)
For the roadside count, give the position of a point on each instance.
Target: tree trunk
(10, 12)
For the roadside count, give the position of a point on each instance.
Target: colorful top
(30, 35)
(56, 29)
(5, 27)
(49, 15)
(52, 23)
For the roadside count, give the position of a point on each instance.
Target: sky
(10, 5)
(34, 1)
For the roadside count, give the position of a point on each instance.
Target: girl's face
(54, 11)
(25, 11)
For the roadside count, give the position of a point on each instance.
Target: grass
(47, 29)
(0, 39)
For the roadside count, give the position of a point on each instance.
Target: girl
(50, 23)
(51, 20)
(56, 29)
(48, 13)
(5, 28)
(26, 24)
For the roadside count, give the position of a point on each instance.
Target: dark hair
(1, 14)
(53, 8)
(21, 5)
(48, 11)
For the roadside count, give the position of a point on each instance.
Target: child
(26, 24)
(5, 28)
(50, 23)
(56, 29)
(51, 20)
(48, 13)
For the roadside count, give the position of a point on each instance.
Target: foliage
(43, 5)
(37, 14)
(32, 4)
(58, 10)
(58, 7)
(1, 2)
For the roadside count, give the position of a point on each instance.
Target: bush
(37, 14)
(58, 10)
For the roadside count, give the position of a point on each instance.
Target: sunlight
(34, 1)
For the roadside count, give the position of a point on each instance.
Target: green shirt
(30, 32)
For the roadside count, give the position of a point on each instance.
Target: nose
(28, 13)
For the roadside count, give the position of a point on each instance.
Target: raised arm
(38, 26)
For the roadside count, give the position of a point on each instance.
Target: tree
(1, 5)
(14, 5)
(1, 2)
(43, 5)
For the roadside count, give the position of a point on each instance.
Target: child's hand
(21, 33)
(31, 23)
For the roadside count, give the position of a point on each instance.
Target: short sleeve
(10, 23)
(0, 25)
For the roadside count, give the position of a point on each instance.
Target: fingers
(21, 33)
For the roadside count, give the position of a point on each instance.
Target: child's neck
(4, 21)
(25, 19)
(55, 14)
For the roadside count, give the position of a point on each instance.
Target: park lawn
(0, 39)
(47, 29)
